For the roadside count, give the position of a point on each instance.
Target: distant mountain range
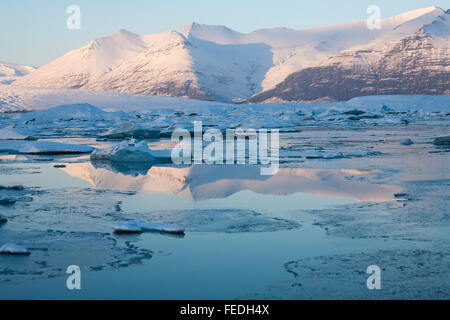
(9, 72)
(408, 55)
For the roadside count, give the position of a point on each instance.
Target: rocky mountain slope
(418, 63)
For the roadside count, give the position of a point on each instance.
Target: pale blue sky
(34, 32)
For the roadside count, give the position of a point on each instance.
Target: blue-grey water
(309, 232)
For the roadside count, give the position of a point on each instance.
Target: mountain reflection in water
(202, 182)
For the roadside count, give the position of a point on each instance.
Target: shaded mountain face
(408, 55)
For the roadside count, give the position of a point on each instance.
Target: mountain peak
(413, 14)
(124, 32)
(215, 33)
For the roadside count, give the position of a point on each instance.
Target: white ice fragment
(11, 248)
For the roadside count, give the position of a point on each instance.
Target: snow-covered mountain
(9, 72)
(217, 63)
(413, 58)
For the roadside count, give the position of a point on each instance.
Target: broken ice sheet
(407, 274)
(52, 251)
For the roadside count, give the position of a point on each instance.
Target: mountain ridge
(217, 63)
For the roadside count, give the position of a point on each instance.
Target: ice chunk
(3, 219)
(14, 187)
(442, 141)
(130, 130)
(11, 248)
(354, 154)
(407, 142)
(387, 110)
(150, 226)
(7, 201)
(354, 112)
(10, 134)
(324, 155)
(154, 226)
(43, 147)
(125, 228)
(131, 151)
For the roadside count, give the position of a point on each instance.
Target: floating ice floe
(387, 110)
(131, 151)
(354, 112)
(11, 248)
(442, 141)
(439, 151)
(43, 148)
(407, 142)
(3, 219)
(130, 130)
(124, 228)
(14, 187)
(79, 111)
(7, 201)
(338, 155)
(324, 155)
(10, 134)
(137, 226)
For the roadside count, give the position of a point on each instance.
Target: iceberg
(11, 248)
(131, 151)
